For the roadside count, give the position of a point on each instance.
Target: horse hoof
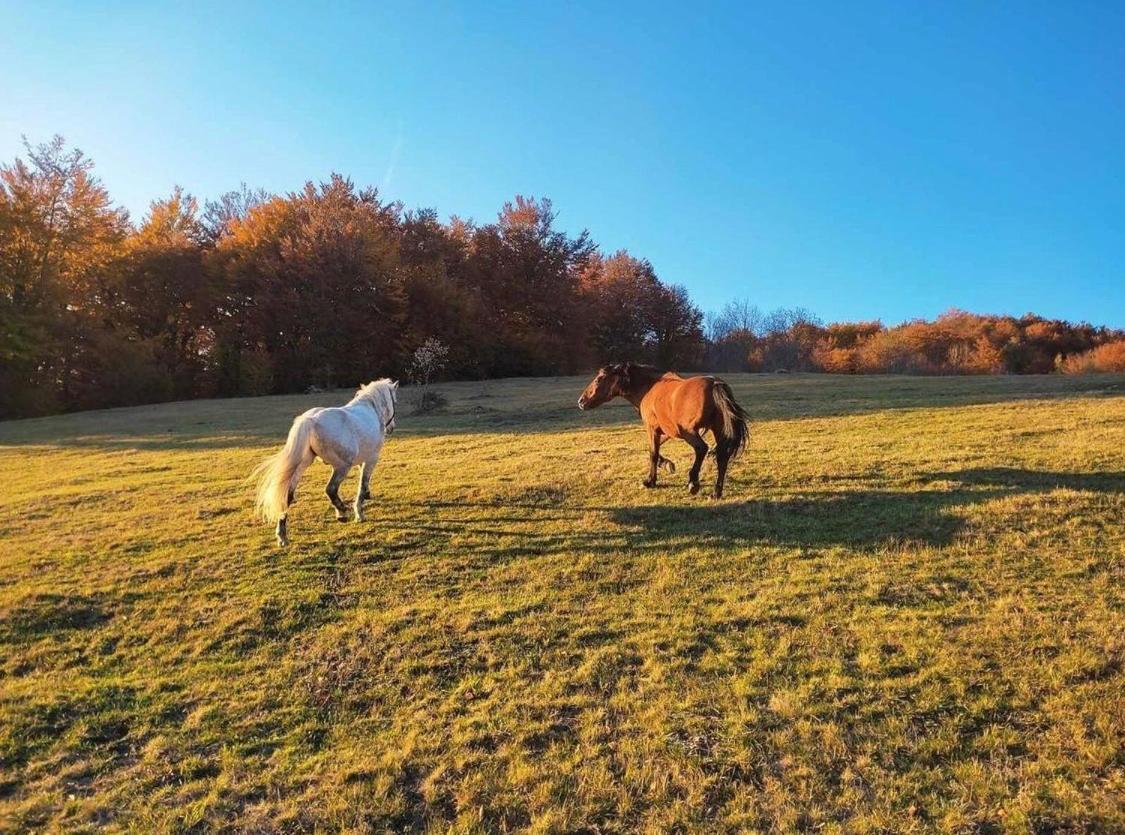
(341, 517)
(649, 484)
(693, 488)
(282, 542)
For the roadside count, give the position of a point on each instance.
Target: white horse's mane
(380, 393)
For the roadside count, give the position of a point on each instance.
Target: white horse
(342, 437)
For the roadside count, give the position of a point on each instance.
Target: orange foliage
(1109, 357)
(955, 343)
(835, 360)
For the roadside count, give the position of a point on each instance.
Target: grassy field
(905, 616)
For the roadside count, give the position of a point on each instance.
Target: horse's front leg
(364, 492)
(332, 491)
(655, 438)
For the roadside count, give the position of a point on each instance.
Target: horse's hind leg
(723, 452)
(332, 491)
(290, 497)
(364, 491)
(654, 440)
(308, 458)
(700, 447)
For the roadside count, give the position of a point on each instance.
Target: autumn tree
(732, 333)
(789, 341)
(533, 287)
(619, 292)
(221, 213)
(58, 231)
(677, 326)
(441, 299)
(311, 290)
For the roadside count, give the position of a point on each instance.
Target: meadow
(906, 615)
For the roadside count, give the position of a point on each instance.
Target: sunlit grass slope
(906, 616)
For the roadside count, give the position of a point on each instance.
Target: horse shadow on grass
(854, 518)
(858, 519)
(863, 519)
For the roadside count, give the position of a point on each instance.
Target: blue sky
(863, 160)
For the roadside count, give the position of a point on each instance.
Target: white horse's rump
(341, 437)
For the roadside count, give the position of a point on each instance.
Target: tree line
(740, 337)
(254, 293)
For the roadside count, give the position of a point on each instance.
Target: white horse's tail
(278, 475)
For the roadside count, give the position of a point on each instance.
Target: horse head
(610, 382)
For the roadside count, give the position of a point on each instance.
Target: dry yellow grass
(906, 616)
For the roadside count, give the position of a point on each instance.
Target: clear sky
(864, 160)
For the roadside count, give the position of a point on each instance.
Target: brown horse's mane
(641, 376)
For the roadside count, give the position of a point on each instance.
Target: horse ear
(394, 384)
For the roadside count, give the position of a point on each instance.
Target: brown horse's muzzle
(596, 393)
(589, 401)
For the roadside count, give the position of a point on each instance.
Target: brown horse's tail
(734, 429)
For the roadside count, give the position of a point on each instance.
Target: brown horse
(676, 407)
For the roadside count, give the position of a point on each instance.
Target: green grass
(905, 616)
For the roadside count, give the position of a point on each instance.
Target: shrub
(836, 360)
(1109, 357)
(891, 352)
(428, 359)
